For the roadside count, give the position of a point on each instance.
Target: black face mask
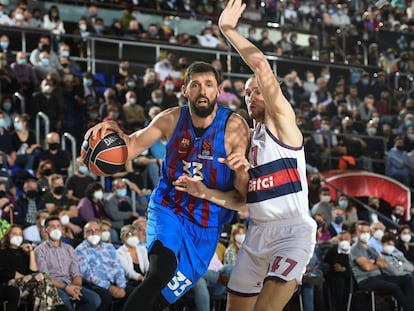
(54, 146)
(2, 194)
(31, 194)
(47, 172)
(401, 148)
(227, 89)
(58, 190)
(46, 47)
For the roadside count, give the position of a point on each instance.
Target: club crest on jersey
(184, 145)
(206, 151)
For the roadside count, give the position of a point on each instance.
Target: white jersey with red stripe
(278, 187)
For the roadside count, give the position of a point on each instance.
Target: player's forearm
(251, 55)
(230, 199)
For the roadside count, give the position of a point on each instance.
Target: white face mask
(55, 234)
(364, 237)
(98, 195)
(132, 241)
(94, 239)
(64, 220)
(105, 236)
(344, 245)
(17, 240)
(378, 234)
(405, 238)
(42, 222)
(326, 198)
(388, 249)
(240, 238)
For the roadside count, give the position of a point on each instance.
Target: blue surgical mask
(45, 61)
(7, 106)
(65, 54)
(157, 100)
(121, 193)
(409, 123)
(169, 88)
(131, 84)
(83, 169)
(22, 61)
(4, 44)
(343, 204)
(87, 82)
(18, 126)
(2, 123)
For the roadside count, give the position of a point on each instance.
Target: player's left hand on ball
(236, 161)
(192, 185)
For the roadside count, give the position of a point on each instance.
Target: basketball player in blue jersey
(281, 235)
(206, 142)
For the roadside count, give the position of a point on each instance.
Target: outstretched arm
(279, 115)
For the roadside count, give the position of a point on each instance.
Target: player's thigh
(240, 303)
(275, 295)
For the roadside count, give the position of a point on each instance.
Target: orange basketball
(105, 156)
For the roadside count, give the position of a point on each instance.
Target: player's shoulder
(237, 121)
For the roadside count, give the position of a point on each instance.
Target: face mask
(54, 146)
(47, 89)
(411, 137)
(319, 224)
(177, 75)
(339, 219)
(132, 101)
(343, 204)
(400, 148)
(325, 128)
(240, 238)
(18, 126)
(326, 77)
(47, 172)
(17, 240)
(131, 84)
(64, 220)
(59, 190)
(42, 222)
(376, 119)
(408, 123)
(169, 88)
(93, 115)
(22, 62)
(45, 61)
(378, 234)
(132, 241)
(2, 123)
(87, 82)
(31, 194)
(121, 193)
(2, 193)
(311, 80)
(157, 101)
(55, 234)
(105, 236)
(124, 68)
(364, 237)
(65, 54)
(344, 245)
(7, 106)
(94, 239)
(98, 195)
(326, 198)
(82, 27)
(371, 131)
(405, 238)
(365, 82)
(4, 44)
(83, 169)
(289, 84)
(114, 115)
(388, 249)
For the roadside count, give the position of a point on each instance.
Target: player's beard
(203, 112)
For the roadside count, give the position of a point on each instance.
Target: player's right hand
(236, 162)
(99, 129)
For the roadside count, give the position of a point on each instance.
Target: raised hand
(231, 14)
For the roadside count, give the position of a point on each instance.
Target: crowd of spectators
(349, 122)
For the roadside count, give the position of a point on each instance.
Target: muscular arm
(162, 126)
(279, 115)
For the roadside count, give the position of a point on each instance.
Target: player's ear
(184, 91)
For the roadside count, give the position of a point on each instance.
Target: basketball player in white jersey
(281, 235)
